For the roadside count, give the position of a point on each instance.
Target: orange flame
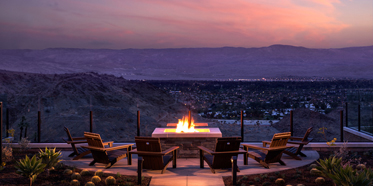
(183, 124)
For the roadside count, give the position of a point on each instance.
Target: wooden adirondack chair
(154, 158)
(224, 150)
(78, 152)
(271, 154)
(108, 156)
(295, 151)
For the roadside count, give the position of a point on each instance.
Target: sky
(121, 24)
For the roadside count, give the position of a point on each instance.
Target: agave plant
(30, 168)
(50, 158)
(328, 165)
(347, 176)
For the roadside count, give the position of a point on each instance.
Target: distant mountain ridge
(196, 63)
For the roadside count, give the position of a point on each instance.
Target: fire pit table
(187, 138)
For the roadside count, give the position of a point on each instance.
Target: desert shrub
(85, 172)
(24, 143)
(67, 171)
(320, 180)
(89, 184)
(50, 157)
(280, 181)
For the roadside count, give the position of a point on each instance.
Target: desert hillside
(66, 99)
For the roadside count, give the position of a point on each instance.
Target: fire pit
(187, 137)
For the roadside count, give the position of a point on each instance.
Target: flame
(183, 124)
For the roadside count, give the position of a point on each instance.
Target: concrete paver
(188, 172)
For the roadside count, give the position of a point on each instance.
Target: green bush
(30, 168)
(348, 176)
(327, 165)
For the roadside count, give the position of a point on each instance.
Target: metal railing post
(291, 123)
(358, 117)
(346, 114)
(39, 126)
(242, 132)
(138, 123)
(1, 133)
(234, 170)
(341, 125)
(7, 122)
(90, 121)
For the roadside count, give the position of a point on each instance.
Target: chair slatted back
(149, 144)
(223, 145)
(280, 139)
(95, 140)
(69, 138)
(309, 130)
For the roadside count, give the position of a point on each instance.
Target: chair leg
(92, 163)
(301, 154)
(129, 155)
(201, 163)
(81, 155)
(72, 154)
(266, 165)
(292, 155)
(174, 154)
(212, 170)
(281, 162)
(108, 165)
(164, 169)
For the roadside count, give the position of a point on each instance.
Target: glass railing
(114, 117)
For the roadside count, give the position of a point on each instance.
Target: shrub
(99, 173)
(110, 180)
(257, 179)
(24, 143)
(271, 178)
(280, 181)
(89, 184)
(76, 176)
(96, 179)
(266, 183)
(264, 176)
(30, 168)
(347, 176)
(67, 171)
(85, 172)
(7, 154)
(360, 167)
(75, 183)
(320, 180)
(118, 175)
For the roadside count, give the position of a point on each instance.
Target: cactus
(76, 176)
(315, 172)
(313, 166)
(75, 183)
(99, 173)
(110, 180)
(96, 179)
(360, 167)
(320, 180)
(67, 172)
(89, 184)
(84, 172)
(280, 181)
(300, 184)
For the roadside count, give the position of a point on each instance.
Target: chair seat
(116, 153)
(82, 150)
(292, 150)
(258, 154)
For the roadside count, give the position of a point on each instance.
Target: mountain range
(196, 63)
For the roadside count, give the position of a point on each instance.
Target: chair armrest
(79, 138)
(265, 143)
(295, 138)
(95, 148)
(239, 151)
(110, 143)
(170, 149)
(119, 147)
(76, 142)
(205, 149)
(279, 148)
(299, 142)
(145, 153)
(255, 147)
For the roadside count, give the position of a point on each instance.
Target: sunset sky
(121, 24)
